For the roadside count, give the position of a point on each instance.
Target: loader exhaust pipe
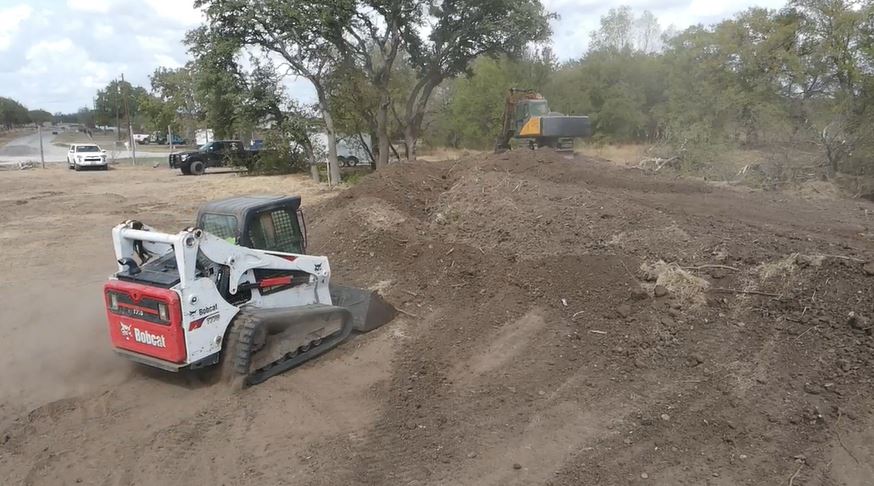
(369, 310)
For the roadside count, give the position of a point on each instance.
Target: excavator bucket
(369, 310)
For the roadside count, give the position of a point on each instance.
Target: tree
(462, 31)
(115, 101)
(12, 113)
(216, 76)
(616, 31)
(472, 115)
(648, 33)
(290, 125)
(293, 30)
(173, 100)
(39, 116)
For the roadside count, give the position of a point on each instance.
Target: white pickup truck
(82, 155)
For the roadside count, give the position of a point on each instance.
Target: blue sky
(55, 54)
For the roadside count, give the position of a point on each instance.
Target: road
(26, 149)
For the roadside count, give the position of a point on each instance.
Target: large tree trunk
(331, 131)
(411, 137)
(311, 160)
(383, 140)
(416, 105)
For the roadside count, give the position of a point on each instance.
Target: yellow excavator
(527, 119)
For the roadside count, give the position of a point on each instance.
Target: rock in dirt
(868, 268)
(813, 389)
(637, 293)
(516, 465)
(857, 321)
(660, 291)
(624, 310)
(718, 273)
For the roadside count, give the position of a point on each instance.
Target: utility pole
(117, 120)
(42, 156)
(130, 128)
(170, 138)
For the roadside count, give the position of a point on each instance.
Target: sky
(56, 54)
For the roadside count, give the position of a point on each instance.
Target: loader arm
(241, 261)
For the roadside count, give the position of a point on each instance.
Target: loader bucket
(369, 310)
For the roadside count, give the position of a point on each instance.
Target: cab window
(276, 230)
(222, 225)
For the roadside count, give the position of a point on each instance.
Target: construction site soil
(563, 321)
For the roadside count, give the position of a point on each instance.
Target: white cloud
(166, 61)
(183, 12)
(98, 6)
(578, 18)
(10, 20)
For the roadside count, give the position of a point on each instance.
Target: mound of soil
(535, 337)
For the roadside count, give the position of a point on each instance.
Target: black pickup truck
(220, 153)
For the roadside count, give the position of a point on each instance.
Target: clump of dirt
(688, 288)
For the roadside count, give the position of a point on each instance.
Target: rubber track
(248, 329)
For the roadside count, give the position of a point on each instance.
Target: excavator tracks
(272, 344)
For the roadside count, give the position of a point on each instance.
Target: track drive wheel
(229, 376)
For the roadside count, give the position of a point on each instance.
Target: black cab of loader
(270, 223)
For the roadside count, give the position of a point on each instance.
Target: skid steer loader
(237, 290)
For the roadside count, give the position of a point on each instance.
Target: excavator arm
(510, 120)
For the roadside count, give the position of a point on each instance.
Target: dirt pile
(526, 277)
(563, 321)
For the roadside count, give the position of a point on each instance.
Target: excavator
(236, 292)
(527, 118)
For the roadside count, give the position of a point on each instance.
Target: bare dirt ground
(565, 322)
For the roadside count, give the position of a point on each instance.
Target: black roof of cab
(241, 206)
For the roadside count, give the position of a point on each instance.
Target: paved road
(26, 149)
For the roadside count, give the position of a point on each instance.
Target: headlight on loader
(113, 301)
(162, 311)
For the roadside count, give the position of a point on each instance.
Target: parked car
(141, 138)
(221, 153)
(160, 138)
(86, 155)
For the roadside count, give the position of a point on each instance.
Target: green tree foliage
(39, 116)
(217, 77)
(472, 116)
(12, 113)
(305, 35)
(173, 100)
(462, 31)
(803, 74)
(115, 100)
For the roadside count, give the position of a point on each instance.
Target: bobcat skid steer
(237, 290)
